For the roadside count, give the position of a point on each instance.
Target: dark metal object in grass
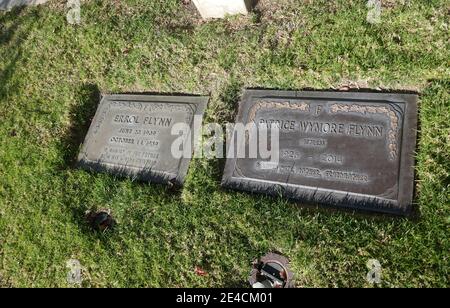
(271, 271)
(101, 220)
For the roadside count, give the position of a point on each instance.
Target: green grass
(50, 77)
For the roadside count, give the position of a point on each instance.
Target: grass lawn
(51, 74)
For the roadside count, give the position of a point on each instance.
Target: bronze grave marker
(347, 149)
(131, 135)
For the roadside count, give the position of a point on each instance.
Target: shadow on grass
(81, 115)
(13, 35)
(7, 33)
(79, 199)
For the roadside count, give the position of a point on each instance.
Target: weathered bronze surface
(342, 149)
(131, 135)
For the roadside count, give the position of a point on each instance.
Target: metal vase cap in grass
(271, 271)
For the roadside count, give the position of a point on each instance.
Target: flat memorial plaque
(351, 150)
(131, 135)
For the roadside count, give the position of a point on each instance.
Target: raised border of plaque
(397, 110)
(130, 136)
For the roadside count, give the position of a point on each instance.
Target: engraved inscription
(120, 140)
(313, 142)
(286, 125)
(332, 158)
(346, 176)
(143, 132)
(310, 172)
(132, 132)
(290, 154)
(147, 120)
(326, 128)
(122, 156)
